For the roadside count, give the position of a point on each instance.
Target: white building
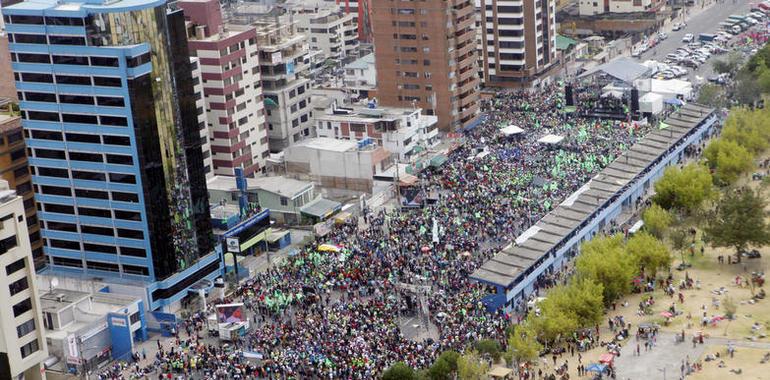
(399, 130)
(329, 30)
(590, 7)
(22, 339)
(361, 77)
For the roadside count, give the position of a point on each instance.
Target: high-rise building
(426, 58)
(519, 42)
(14, 168)
(232, 88)
(7, 89)
(361, 11)
(22, 340)
(284, 65)
(330, 31)
(200, 106)
(114, 143)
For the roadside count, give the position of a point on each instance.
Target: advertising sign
(229, 313)
(233, 245)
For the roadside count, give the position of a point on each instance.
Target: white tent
(551, 139)
(511, 130)
(668, 89)
(651, 103)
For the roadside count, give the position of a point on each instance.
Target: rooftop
(535, 244)
(361, 63)
(85, 6)
(326, 143)
(280, 185)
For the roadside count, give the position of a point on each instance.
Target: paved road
(704, 20)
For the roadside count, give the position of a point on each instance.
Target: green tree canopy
(399, 371)
(603, 261)
(748, 128)
(490, 347)
(684, 189)
(739, 220)
(712, 95)
(650, 252)
(523, 345)
(656, 220)
(728, 160)
(471, 367)
(445, 366)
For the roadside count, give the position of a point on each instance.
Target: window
(48, 153)
(84, 138)
(18, 286)
(130, 234)
(47, 135)
(22, 307)
(36, 77)
(119, 159)
(110, 101)
(25, 328)
(95, 265)
(88, 157)
(128, 215)
(61, 226)
(66, 40)
(15, 267)
(142, 271)
(80, 119)
(33, 20)
(59, 209)
(105, 61)
(75, 263)
(66, 21)
(77, 99)
(56, 190)
(7, 244)
(135, 252)
(96, 230)
(284, 201)
(88, 176)
(133, 318)
(100, 248)
(97, 212)
(70, 60)
(73, 79)
(64, 244)
(122, 178)
(34, 58)
(117, 140)
(138, 60)
(107, 82)
(18, 155)
(93, 194)
(124, 197)
(115, 121)
(42, 116)
(29, 348)
(21, 172)
(52, 172)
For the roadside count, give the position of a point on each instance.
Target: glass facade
(114, 120)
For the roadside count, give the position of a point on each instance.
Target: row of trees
(750, 80)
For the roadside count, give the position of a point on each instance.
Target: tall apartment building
(228, 58)
(7, 89)
(14, 168)
(330, 31)
(284, 66)
(22, 340)
(200, 106)
(519, 42)
(426, 57)
(107, 101)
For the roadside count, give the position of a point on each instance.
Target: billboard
(229, 313)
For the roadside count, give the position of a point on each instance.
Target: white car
(688, 38)
(662, 36)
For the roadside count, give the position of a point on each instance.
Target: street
(699, 21)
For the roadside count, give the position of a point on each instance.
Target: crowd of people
(339, 315)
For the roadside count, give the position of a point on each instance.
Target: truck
(706, 37)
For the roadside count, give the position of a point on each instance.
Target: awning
(438, 160)
(407, 180)
(270, 103)
(511, 130)
(276, 235)
(321, 208)
(551, 139)
(636, 227)
(500, 372)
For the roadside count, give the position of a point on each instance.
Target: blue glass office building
(109, 115)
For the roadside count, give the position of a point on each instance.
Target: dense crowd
(338, 315)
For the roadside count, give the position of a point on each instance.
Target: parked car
(678, 26)
(688, 38)
(662, 35)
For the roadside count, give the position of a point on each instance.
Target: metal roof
(512, 261)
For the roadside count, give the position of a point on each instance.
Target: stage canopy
(623, 69)
(511, 130)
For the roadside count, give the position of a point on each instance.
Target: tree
(747, 88)
(712, 95)
(444, 366)
(739, 220)
(748, 128)
(522, 345)
(728, 160)
(603, 261)
(490, 347)
(684, 189)
(730, 307)
(656, 220)
(399, 371)
(679, 237)
(650, 252)
(471, 367)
